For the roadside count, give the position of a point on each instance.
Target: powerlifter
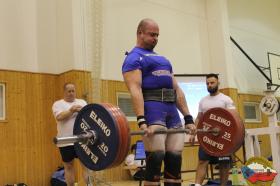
(156, 97)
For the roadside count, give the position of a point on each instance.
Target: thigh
(155, 142)
(206, 157)
(173, 119)
(175, 142)
(67, 153)
(155, 113)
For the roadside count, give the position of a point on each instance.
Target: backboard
(274, 63)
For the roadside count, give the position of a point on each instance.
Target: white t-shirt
(65, 127)
(220, 100)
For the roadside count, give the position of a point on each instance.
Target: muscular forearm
(181, 102)
(137, 100)
(198, 117)
(196, 121)
(133, 80)
(64, 115)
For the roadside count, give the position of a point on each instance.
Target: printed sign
(258, 171)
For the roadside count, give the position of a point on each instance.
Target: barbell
(102, 134)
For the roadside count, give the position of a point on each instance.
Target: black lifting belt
(163, 95)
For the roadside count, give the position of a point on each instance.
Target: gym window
(2, 102)
(252, 112)
(125, 103)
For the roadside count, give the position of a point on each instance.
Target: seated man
(135, 166)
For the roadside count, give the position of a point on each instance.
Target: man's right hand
(75, 108)
(148, 131)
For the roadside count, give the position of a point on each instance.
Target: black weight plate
(101, 154)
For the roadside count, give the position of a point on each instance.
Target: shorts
(162, 113)
(68, 153)
(213, 159)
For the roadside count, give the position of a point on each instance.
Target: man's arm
(182, 105)
(133, 81)
(180, 100)
(199, 116)
(68, 113)
(230, 104)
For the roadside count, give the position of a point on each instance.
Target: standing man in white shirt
(214, 99)
(65, 112)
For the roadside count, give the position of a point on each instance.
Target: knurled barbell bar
(102, 134)
(91, 135)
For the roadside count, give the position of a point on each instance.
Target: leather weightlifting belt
(163, 95)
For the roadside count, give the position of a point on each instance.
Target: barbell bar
(92, 135)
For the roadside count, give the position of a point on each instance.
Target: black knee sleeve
(153, 166)
(172, 165)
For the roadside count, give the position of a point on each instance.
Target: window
(252, 112)
(125, 104)
(2, 102)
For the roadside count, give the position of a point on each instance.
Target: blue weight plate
(101, 154)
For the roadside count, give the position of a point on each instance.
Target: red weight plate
(125, 133)
(231, 135)
(123, 130)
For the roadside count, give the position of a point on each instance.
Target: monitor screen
(140, 151)
(194, 89)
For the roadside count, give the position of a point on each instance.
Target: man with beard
(214, 99)
(156, 96)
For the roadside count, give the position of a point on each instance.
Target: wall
(255, 26)
(183, 33)
(18, 48)
(28, 154)
(57, 36)
(264, 139)
(42, 36)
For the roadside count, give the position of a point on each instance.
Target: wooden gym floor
(188, 178)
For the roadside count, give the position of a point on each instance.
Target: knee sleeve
(172, 165)
(153, 166)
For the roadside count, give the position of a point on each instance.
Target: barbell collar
(82, 138)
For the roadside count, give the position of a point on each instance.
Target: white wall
(219, 42)
(55, 36)
(183, 33)
(18, 43)
(40, 35)
(255, 26)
